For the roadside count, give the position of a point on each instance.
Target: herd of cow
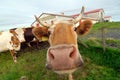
(11, 40)
(63, 55)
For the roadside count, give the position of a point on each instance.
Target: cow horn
(80, 15)
(43, 24)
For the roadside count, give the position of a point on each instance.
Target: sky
(17, 12)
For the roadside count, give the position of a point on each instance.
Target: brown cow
(63, 55)
(39, 32)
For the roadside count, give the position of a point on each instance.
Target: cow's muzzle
(63, 58)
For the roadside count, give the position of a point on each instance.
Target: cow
(20, 34)
(63, 56)
(31, 38)
(40, 32)
(10, 40)
(28, 35)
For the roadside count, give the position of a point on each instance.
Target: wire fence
(108, 36)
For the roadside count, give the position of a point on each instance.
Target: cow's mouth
(65, 71)
(62, 70)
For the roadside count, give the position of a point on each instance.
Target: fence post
(103, 39)
(101, 19)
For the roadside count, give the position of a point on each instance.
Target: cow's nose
(63, 58)
(69, 52)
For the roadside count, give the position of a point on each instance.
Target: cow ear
(84, 27)
(13, 32)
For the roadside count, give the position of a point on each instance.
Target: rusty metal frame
(53, 15)
(63, 16)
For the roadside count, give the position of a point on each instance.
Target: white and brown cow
(10, 40)
(63, 55)
(20, 34)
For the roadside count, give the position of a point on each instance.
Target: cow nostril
(72, 54)
(51, 55)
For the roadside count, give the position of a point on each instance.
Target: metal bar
(53, 15)
(90, 18)
(57, 15)
(64, 16)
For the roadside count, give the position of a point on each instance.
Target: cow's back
(5, 39)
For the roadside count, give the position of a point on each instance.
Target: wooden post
(103, 39)
(101, 19)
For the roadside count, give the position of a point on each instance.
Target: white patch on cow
(6, 43)
(17, 48)
(5, 39)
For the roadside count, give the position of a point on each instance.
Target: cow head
(39, 32)
(20, 34)
(14, 40)
(63, 55)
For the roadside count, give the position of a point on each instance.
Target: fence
(108, 36)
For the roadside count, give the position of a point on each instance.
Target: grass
(98, 65)
(107, 25)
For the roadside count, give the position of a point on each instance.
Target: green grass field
(107, 25)
(98, 65)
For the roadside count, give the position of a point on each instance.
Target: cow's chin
(65, 71)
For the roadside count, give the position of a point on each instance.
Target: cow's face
(14, 40)
(63, 55)
(20, 34)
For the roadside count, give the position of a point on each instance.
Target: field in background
(106, 33)
(98, 65)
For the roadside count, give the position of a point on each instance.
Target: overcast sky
(23, 11)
